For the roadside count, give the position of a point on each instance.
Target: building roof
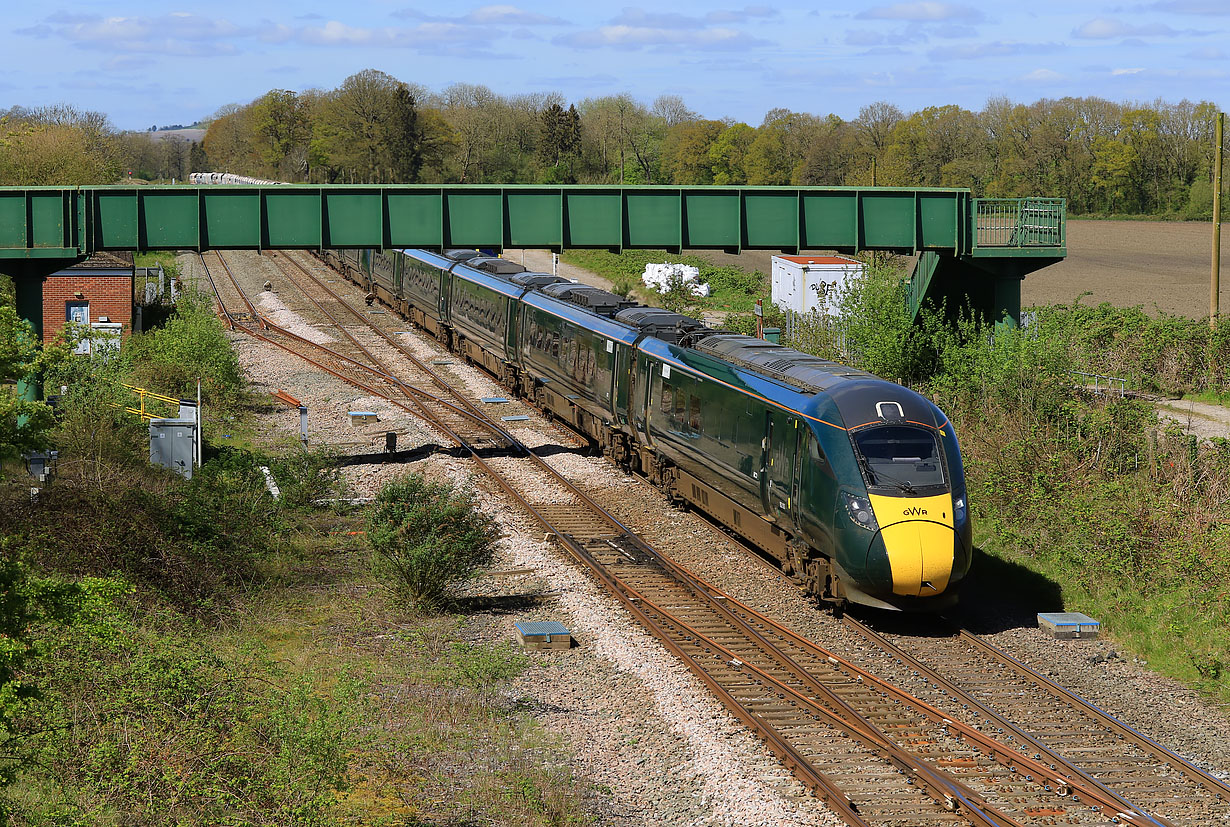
(105, 261)
(821, 260)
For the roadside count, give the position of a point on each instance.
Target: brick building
(98, 292)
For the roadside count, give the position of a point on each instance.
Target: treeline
(55, 145)
(1104, 157)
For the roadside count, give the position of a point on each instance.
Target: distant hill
(189, 133)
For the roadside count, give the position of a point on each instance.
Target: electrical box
(172, 444)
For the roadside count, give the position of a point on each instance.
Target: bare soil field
(1162, 265)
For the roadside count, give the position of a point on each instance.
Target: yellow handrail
(142, 394)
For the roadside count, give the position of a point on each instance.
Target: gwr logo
(915, 511)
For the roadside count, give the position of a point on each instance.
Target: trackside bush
(425, 537)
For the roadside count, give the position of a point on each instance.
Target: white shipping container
(806, 283)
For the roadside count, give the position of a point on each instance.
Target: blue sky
(145, 62)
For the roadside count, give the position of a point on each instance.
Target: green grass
(222, 658)
(168, 259)
(1209, 397)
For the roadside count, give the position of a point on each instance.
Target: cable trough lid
(800, 370)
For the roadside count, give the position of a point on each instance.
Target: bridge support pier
(28, 278)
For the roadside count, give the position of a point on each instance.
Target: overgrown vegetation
(426, 537)
(196, 652)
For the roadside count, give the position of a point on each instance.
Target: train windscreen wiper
(906, 486)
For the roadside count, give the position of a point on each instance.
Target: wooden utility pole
(1215, 282)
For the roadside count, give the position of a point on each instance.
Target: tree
(776, 156)
(559, 140)
(829, 153)
(1112, 170)
(727, 154)
(21, 358)
(626, 138)
(876, 122)
(229, 142)
(685, 152)
(281, 127)
(672, 110)
(404, 137)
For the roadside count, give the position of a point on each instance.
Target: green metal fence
(1019, 222)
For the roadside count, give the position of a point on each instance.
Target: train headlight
(859, 509)
(960, 512)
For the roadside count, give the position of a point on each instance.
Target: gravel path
(1200, 418)
(636, 720)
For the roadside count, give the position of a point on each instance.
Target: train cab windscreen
(900, 457)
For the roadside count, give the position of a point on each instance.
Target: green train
(852, 484)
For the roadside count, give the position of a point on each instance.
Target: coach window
(694, 419)
(818, 458)
(668, 395)
(678, 414)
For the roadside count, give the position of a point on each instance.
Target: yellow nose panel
(918, 536)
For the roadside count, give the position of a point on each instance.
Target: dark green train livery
(853, 484)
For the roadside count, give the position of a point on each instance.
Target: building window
(77, 312)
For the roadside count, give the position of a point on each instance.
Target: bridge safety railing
(1019, 222)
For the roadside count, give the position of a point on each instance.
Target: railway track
(464, 427)
(876, 752)
(988, 687)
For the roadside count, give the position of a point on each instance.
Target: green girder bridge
(970, 251)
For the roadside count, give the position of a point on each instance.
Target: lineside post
(1215, 279)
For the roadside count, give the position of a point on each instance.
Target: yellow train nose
(919, 540)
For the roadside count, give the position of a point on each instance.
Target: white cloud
(635, 28)
(509, 15)
(1043, 76)
(637, 37)
(1103, 28)
(996, 48)
(496, 14)
(925, 11)
(1211, 8)
(1134, 71)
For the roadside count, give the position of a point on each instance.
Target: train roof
(428, 257)
(662, 324)
(499, 284)
(580, 315)
(797, 369)
(817, 389)
(494, 265)
(538, 280)
(596, 299)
